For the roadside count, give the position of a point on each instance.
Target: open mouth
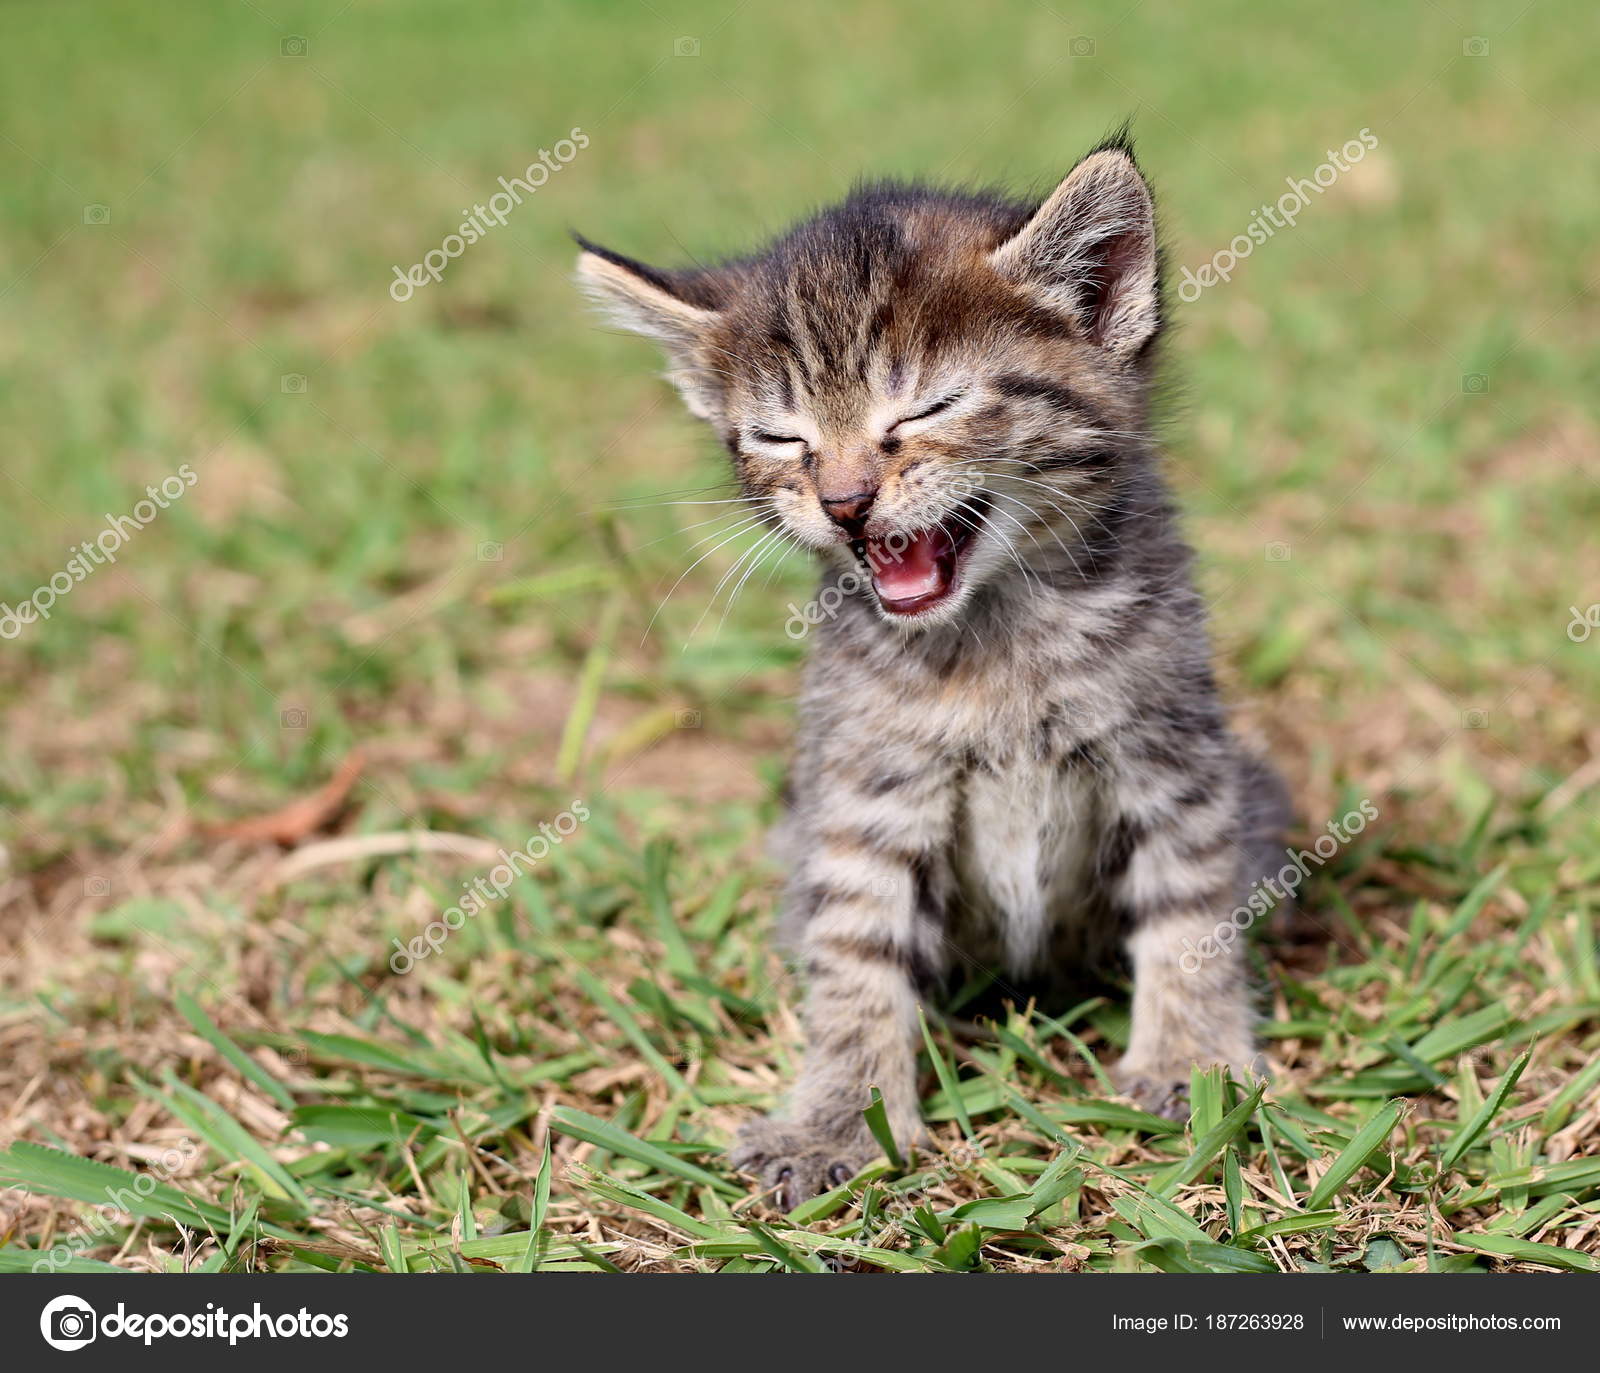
(913, 572)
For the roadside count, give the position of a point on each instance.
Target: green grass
(444, 549)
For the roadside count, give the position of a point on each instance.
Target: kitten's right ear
(1090, 251)
(649, 302)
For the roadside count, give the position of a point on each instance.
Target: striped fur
(1035, 772)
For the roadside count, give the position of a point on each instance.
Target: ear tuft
(1090, 251)
(646, 301)
(639, 297)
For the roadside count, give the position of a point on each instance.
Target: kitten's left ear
(675, 310)
(1090, 251)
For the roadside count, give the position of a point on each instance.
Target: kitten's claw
(1162, 1088)
(796, 1162)
(1160, 1096)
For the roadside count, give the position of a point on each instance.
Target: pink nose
(849, 512)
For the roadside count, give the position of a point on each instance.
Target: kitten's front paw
(1163, 1088)
(795, 1161)
(1161, 1094)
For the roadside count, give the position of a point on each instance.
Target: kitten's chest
(1024, 841)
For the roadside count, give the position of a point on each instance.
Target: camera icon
(294, 718)
(491, 552)
(294, 1055)
(293, 45)
(686, 47)
(1277, 553)
(97, 214)
(1475, 47)
(68, 1323)
(1475, 719)
(96, 885)
(688, 719)
(1474, 383)
(1081, 47)
(293, 384)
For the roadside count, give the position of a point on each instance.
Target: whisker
(661, 497)
(754, 567)
(793, 544)
(699, 524)
(1001, 495)
(742, 529)
(1005, 539)
(1017, 559)
(1058, 491)
(712, 599)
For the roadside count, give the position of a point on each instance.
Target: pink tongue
(905, 567)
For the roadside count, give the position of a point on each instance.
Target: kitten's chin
(943, 611)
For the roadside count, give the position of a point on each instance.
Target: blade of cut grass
(51, 1172)
(1468, 1134)
(612, 1189)
(394, 1258)
(996, 1213)
(1025, 1051)
(1202, 1256)
(1576, 1175)
(592, 1130)
(1456, 1036)
(947, 1077)
(1541, 1213)
(372, 1054)
(877, 1118)
(1526, 1251)
(227, 1138)
(681, 961)
(629, 1025)
(541, 1205)
(1101, 1077)
(1366, 1142)
(595, 1257)
(360, 1127)
(1291, 1225)
(1156, 1218)
(246, 1066)
(586, 699)
(1061, 1178)
(821, 1207)
(23, 1261)
(960, 1251)
(791, 1259)
(1560, 1110)
(1209, 1145)
(1110, 1113)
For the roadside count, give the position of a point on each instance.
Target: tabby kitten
(1011, 753)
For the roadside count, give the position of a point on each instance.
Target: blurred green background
(430, 528)
(257, 198)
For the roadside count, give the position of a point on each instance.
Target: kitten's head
(943, 386)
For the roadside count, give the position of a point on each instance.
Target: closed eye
(760, 436)
(938, 407)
